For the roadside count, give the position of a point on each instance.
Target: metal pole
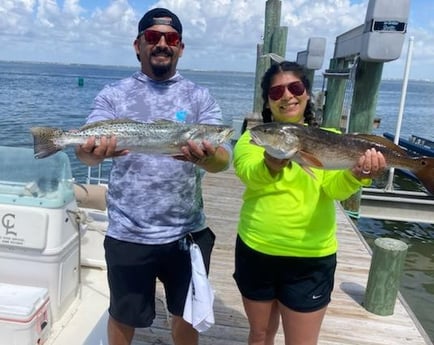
(389, 186)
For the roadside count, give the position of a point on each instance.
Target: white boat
(51, 253)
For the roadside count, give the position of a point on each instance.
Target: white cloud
(219, 34)
(15, 16)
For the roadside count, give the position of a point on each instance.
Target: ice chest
(24, 315)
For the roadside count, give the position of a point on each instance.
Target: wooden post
(364, 103)
(352, 204)
(278, 40)
(335, 95)
(387, 264)
(363, 109)
(273, 10)
(310, 75)
(274, 42)
(262, 64)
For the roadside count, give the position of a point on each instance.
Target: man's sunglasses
(153, 37)
(296, 88)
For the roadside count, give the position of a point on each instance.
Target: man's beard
(158, 69)
(161, 70)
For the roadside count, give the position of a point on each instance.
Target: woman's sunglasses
(297, 88)
(153, 37)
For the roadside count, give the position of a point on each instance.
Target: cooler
(39, 241)
(24, 315)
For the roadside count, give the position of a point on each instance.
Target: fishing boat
(39, 245)
(415, 145)
(53, 287)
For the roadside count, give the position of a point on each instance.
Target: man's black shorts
(133, 269)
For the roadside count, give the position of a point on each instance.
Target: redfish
(313, 147)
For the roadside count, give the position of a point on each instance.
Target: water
(50, 95)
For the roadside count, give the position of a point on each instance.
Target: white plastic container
(24, 315)
(57, 271)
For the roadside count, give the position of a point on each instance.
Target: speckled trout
(160, 137)
(313, 147)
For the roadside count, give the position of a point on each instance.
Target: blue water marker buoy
(80, 81)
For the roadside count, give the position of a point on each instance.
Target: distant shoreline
(127, 67)
(74, 64)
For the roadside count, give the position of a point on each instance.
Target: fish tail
(425, 174)
(43, 141)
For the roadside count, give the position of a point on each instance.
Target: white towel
(198, 309)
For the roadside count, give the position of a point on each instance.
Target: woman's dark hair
(298, 71)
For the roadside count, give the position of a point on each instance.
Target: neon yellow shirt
(291, 214)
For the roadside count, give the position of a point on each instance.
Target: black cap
(150, 18)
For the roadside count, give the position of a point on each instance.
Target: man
(154, 203)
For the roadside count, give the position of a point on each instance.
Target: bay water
(57, 95)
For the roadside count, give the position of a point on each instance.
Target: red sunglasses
(297, 88)
(153, 37)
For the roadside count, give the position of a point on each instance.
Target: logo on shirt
(181, 115)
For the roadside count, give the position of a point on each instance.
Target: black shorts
(301, 284)
(132, 270)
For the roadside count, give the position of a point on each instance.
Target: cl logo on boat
(8, 222)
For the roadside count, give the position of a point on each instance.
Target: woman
(285, 256)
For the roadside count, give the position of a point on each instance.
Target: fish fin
(163, 121)
(43, 141)
(108, 123)
(310, 160)
(306, 160)
(425, 173)
(380, 141)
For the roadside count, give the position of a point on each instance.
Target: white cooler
(24, 315)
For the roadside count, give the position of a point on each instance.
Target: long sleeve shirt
(292, 213)
(155, 199)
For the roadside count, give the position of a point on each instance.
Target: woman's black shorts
(301, 284)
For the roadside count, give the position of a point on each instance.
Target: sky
(218, 34)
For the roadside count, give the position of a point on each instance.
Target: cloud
(219, 34)
(15, 16)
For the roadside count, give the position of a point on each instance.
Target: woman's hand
(371, 164)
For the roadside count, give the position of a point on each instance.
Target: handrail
(98, 179)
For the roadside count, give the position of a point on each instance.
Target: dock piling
(387, 265)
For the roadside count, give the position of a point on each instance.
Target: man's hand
(205, 155)
(91, 154)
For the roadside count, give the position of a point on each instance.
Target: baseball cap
(151, 18)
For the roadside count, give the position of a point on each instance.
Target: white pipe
(389, 186)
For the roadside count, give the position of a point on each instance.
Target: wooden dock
(346, 321)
